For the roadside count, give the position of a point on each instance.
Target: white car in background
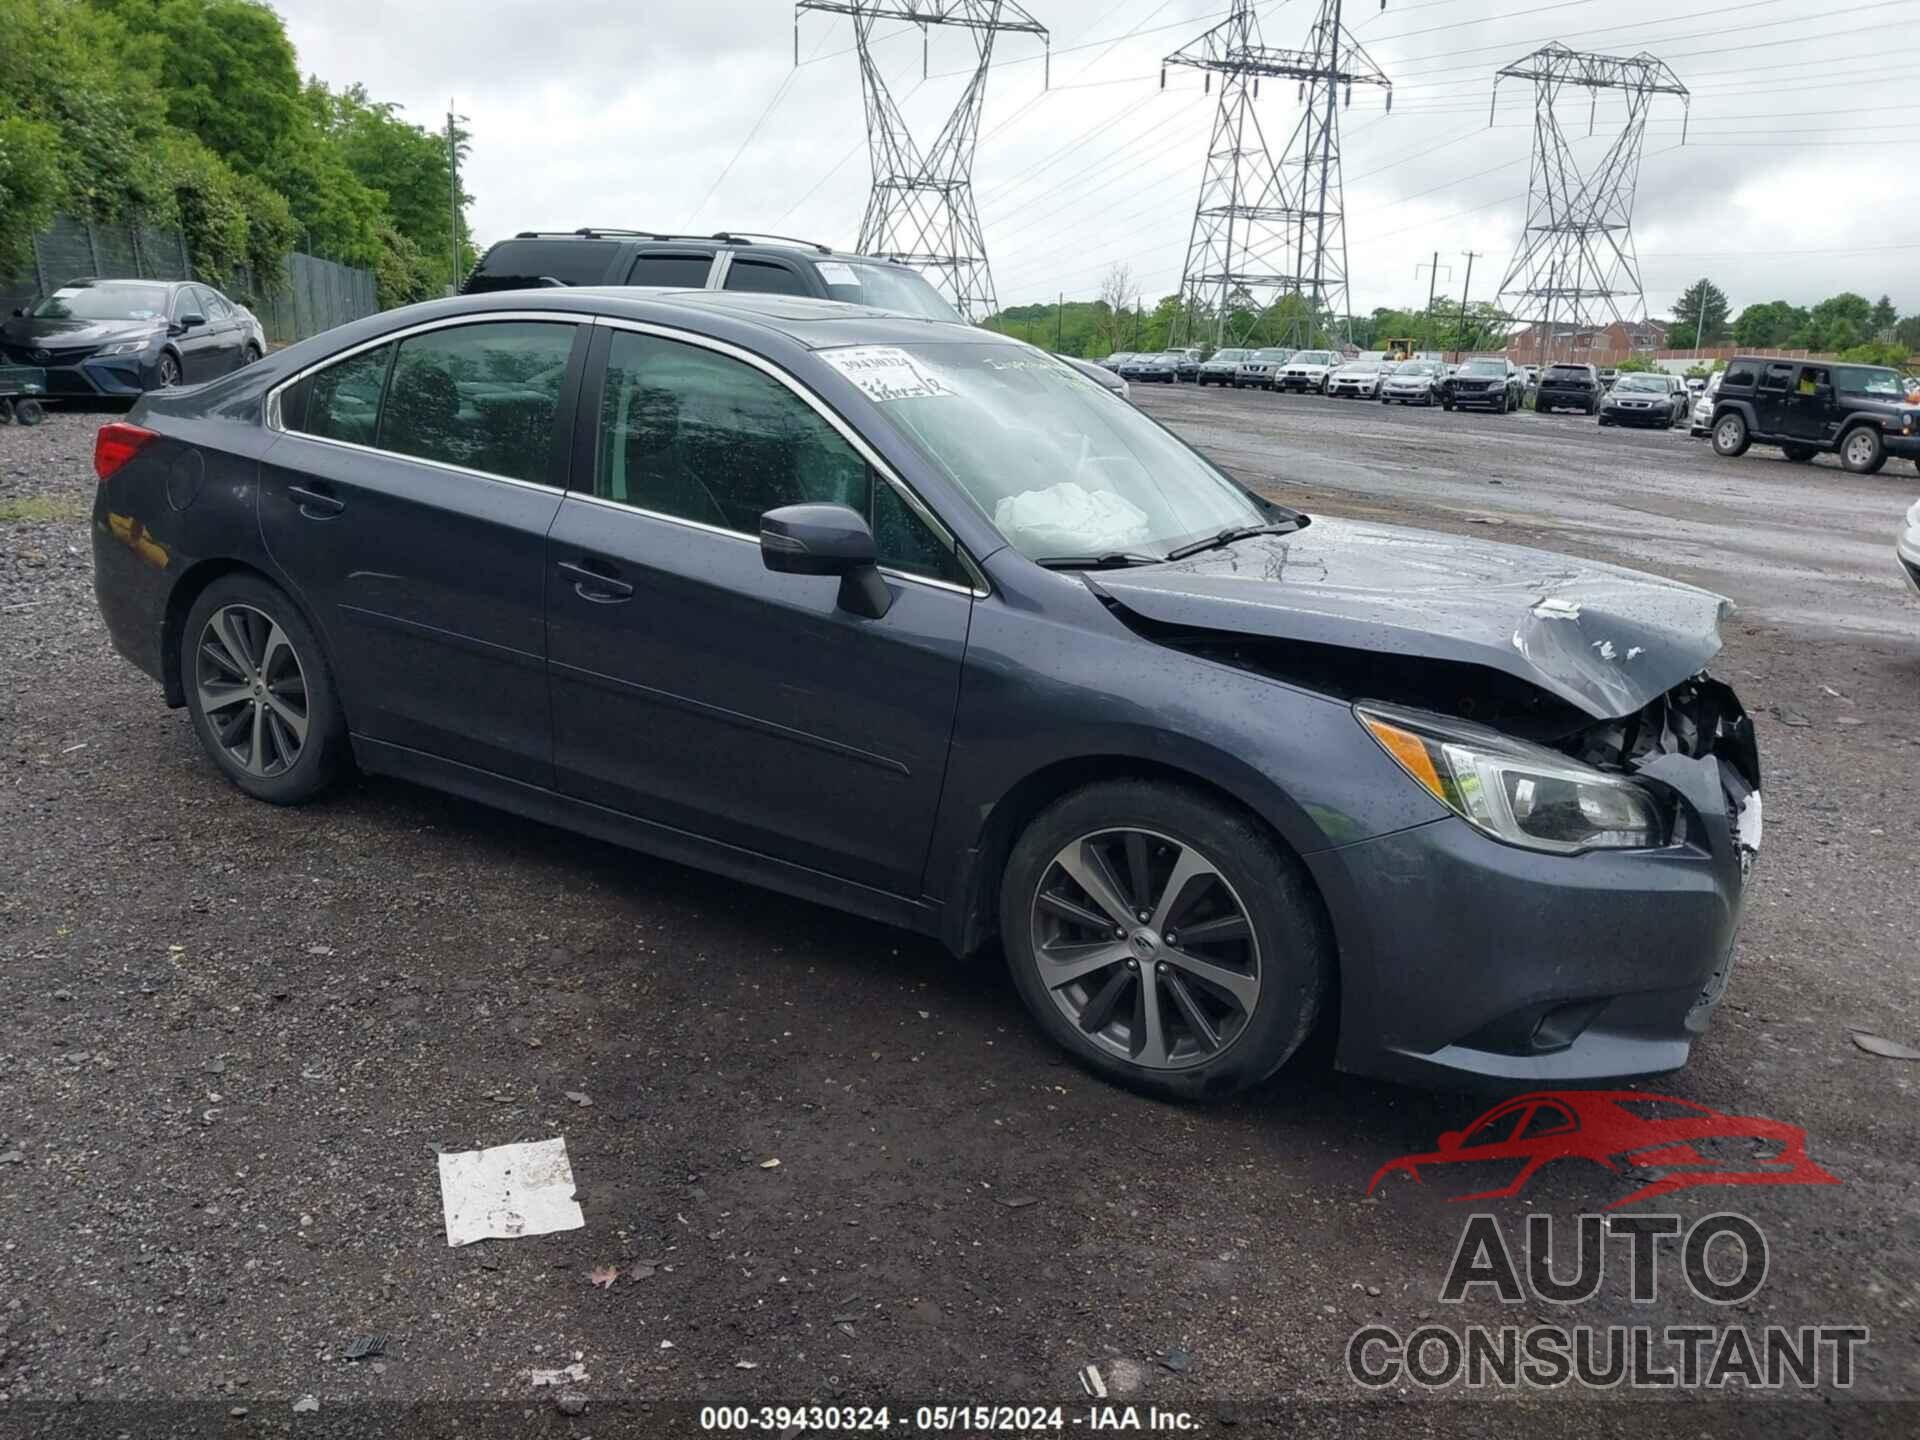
(1360, 379)
(1700, 418)
(1908, 548)
(1307, 370)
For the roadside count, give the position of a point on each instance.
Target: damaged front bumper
(1464, 959)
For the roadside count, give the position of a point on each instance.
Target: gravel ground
(232, 1039)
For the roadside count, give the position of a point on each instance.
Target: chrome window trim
(826, 412)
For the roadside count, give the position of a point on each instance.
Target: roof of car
(815, 324)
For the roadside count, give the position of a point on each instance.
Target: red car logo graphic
(1622, 1130)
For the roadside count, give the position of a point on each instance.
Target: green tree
(1838, 322)
(1700, 315)
(225, 68)
(1876, 352)
(30, 185)
(1884, 318)
(1907, 333)
(1768, 326)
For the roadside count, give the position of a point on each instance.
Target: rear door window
(482, 397)
(1777, 377)
(675, 271)
(765, 275)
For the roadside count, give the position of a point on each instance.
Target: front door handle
(590, 584)
(316, 504)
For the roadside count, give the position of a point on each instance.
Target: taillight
(116, 444)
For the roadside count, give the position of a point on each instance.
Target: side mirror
(1823, 392)
(192, 321)
(19, 312)
(1450, 1142)
(826, 540)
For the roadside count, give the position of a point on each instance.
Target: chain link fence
(314, 295)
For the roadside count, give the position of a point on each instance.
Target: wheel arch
(974, 905)
(191, 585)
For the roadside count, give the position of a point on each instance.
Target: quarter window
(482, 397)
(341, 402)
(1739, 375)
(700, 436)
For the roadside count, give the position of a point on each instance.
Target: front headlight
(125, 347)
(1516, 792)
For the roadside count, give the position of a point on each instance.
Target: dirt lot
(232, 1039)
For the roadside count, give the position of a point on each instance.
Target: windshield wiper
(1237, 532)
(1112, 560)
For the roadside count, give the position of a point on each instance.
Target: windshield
(1060, 470)
(1483, 367)
(887, 287)
(1868, 380)
(1568, 372)
(1418, 367)
(109, 301)
(1270, 357)
(1314, 357)
(1230, 354)
(1642, 382)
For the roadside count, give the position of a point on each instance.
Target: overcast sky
(1798, 178)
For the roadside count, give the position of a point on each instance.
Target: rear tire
(1862, 450)
(1158, 1025)
(1730, 437)
(260, 691)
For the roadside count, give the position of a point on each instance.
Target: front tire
(1730, 437)
(166, 374)
(260, 692)
(1862, 450)
(1096, 897)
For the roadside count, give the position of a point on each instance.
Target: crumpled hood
(75, 334)
(1602, 638)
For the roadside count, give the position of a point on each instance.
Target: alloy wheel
(252, 690)
(1859, 449)
(169, 372)
(1145, 948)
(1727, 436)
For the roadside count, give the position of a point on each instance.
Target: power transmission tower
(921, 207)
(1575, 266)
(1262, 227)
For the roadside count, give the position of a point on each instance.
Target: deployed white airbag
(1065, 519)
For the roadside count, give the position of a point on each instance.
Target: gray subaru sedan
(914, 620)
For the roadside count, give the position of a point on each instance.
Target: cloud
(620, 114)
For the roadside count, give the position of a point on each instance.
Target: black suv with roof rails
(1859, 412)
(725, 260)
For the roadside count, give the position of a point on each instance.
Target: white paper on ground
(508, 1191)
(1065, 519)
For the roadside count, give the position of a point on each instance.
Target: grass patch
(42, 510)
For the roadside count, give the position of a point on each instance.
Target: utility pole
(1433, 277)
(921, 208)
(1575, 257)
(1472, 255)
(1059, 320)
(453, 200)
(1701, 323)
(1270, 222)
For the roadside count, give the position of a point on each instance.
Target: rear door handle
(316, 504)
(591, 584)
